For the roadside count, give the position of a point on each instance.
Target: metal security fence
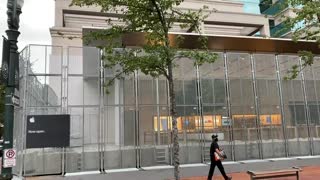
(242, 97)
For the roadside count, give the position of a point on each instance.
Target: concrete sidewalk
(310, 165)
(308, 173)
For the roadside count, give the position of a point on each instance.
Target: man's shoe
(229, 178)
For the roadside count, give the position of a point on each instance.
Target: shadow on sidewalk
(308, 173)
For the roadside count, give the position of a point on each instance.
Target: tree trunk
(173, 113)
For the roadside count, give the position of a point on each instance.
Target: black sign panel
(5, 61)
(48, 131)
(9, 65)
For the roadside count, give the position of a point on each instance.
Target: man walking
(214, 148)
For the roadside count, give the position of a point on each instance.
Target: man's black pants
(212, 166)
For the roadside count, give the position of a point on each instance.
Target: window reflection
(190, 123)
(273, 119)
(193, 123)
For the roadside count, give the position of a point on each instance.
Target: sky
(251, 6)
(36, 19)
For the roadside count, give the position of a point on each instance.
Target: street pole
(14, 10)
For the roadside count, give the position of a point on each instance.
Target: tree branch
(194, 22)
(160, 15)
(117, 76)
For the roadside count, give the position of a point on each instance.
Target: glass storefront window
(191, 123)
(272, 119)
(237, 97)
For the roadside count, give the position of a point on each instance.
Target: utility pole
(11, 70)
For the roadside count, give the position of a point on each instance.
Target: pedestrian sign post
(9, 158)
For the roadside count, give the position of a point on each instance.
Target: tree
(305, 25)
(157, 57)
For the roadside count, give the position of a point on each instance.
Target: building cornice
(218, 18)
(232, 43)
(222, 2)
(66, 32)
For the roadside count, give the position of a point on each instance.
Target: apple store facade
(242, 97)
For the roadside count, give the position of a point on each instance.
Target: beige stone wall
(60, 5)
(68, 27)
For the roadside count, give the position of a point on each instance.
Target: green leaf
(304, 25)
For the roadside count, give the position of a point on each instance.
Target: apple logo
(32, 120)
